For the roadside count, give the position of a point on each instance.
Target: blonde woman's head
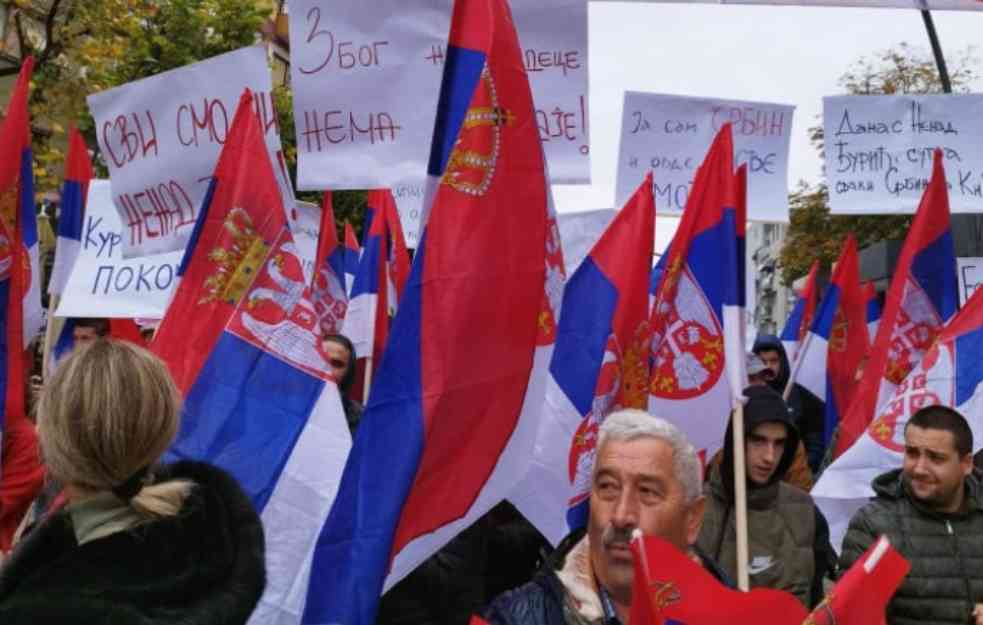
(110, 411)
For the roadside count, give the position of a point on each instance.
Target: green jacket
(782, 537)
(945, 551)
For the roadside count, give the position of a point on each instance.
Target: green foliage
(813, 232)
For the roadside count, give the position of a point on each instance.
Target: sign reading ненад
(102, 282)
(161, 138)
(879, 151)
(366, 79)
(670, 135)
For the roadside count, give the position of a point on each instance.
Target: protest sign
(366, 77)
(879, 151)
(670, 135)
(103, 283)
(161, 137)
(579, 232)
(928, 5)
(970, 277)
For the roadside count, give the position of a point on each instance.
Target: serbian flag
(803, 311)
(19, 240)
(922, 297)
(260, 400)
(873, 310)
(861, 595)
(352, 253)
(599, 365)
(452, 419)
(671, 589)
(949, 374)
(78, 173)
(836, 344)
(328, 288)
(697, 318)
(380, 279)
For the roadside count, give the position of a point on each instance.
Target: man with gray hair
(646, 475)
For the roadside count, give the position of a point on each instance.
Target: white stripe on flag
(810, 369)
(359, 325)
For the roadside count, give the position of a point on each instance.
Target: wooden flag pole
(368, 381)
(740, 497)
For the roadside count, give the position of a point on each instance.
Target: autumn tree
(813, 232)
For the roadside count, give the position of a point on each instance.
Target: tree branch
(49, 32)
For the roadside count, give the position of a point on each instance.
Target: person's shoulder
(539, 602)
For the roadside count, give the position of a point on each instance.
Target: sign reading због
(366, 78)
(161, 137)
(879, 151)
(670, 136)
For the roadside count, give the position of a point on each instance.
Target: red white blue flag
(242, 341)
(78, 173)
(922, 297)
(873, 310)
(328, 288)
(599, 365)
(352, 253)
(452, 418)
(836, 343)
(697, 318)
(800, 319)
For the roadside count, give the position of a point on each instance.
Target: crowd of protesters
(101, 531)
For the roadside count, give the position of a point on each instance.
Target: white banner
(670, 135)
(161, 137)
(879, 151)
(970, 277)
(366, 77)
(932, 5)
(103, 283)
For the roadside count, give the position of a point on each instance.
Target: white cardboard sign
(970, 277)
(366, 78)
(161, 138)
(103, 283)
(879, 151)
(670, 135)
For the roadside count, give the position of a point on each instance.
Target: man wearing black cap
(788, 537)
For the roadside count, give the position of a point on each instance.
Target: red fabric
(931, 221)
(860, 598)
(22, 475)
(245, 209)
(669, 587)
(399, 254)
(126, 330)
(849, 338)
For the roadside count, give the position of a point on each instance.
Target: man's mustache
(616, 536)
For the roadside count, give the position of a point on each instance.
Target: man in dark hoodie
(788, 537)
(807, 411)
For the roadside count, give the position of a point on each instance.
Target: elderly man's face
(634, 486)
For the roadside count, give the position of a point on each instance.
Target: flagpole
(368, 381)
(796, 365)
(49, 334)
(740, 497)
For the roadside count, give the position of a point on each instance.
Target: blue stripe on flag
(462, 71)
(733, 278)
(29, 220)
(791, 330)
(589, 301)
(822, 324)
(969, 365)
(70, 217)
(934, 267)
(244, 414)
(355, 542)
(367, 276)
(710, 262)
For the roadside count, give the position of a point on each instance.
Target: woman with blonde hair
(138, 542)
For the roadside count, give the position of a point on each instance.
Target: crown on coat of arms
(664, 594)
(238, 262)
(468, 170)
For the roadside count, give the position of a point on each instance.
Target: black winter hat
(764, 405)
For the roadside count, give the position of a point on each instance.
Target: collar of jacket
(891, 485)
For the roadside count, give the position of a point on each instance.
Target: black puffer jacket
(945, 551)
(806, 410)
(543, 601)
(205, 566)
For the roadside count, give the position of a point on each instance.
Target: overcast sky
(790, 55)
